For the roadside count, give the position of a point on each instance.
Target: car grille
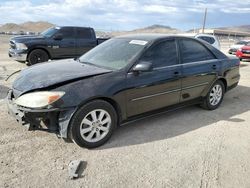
(12, 44)
(246, 51)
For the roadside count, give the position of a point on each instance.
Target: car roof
(149, 36)
(196, 35)
(72, 27)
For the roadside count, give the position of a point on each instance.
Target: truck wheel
(93, 124)
(37, 56)
(214, 96)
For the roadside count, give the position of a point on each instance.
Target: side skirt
(162, 111)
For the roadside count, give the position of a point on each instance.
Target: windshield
(50, 32)
(114, 53)
(242, 42)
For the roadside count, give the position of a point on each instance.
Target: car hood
(236, 46)
(55, 72)
(25, 38)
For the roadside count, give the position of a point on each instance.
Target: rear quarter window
(210, 40)
(193, 51)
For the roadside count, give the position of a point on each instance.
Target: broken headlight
(39, 99)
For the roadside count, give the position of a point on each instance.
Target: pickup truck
(54, 43)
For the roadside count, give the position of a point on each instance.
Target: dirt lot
(190, 147)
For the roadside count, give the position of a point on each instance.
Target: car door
(199, 68)
(65, 47)
(159, 87)
(86, 40)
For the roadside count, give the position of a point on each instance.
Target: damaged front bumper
(54, 120)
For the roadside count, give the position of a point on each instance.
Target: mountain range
(41, 26)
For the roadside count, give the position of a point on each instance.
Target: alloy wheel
(215, 95)
(95, 125)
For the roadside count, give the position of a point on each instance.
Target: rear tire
(37, 56)
(21, 61)
(93, 124)
(214, 96)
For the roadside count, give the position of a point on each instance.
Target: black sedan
(124, 78)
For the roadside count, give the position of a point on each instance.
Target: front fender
(64, 121)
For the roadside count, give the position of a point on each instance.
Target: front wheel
(37, 56)
(93, 124)
(214, 96)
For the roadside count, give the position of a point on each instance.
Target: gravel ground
(190, 147)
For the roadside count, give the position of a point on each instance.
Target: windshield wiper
(84, 62)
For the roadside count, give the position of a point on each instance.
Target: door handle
(176, 73)
(214, 67)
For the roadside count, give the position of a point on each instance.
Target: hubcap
(95, 125)
(215, 95)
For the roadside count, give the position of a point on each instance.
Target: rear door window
(162, 54)
(193, 51)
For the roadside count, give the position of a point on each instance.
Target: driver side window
(67, 33)
(162, 54)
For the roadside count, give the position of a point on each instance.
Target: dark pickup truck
(54, 43)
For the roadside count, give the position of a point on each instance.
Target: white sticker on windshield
(139, 42)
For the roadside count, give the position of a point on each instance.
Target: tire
(21, 61)
(89, 131)
(37, 56)
(210, 102)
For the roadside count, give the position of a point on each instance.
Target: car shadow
(178, 122)
(3, 91)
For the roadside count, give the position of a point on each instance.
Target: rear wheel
(214, 96)
(93, 124)
(37, 56)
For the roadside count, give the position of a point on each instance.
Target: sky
(127, 14)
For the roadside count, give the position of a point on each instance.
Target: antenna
(204, 20)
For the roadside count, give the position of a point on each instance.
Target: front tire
(37, 56)
(214, 96)
(93, 124)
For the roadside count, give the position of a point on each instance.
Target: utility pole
(204, 20)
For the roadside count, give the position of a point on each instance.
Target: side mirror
(58, 36)
(143, 66)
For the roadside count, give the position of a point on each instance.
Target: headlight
(39, 99)
(21, 46)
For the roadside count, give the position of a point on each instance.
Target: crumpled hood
(48, 74)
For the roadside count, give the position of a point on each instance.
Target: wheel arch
(65, 126)
(224, 81)
(206, 90)
(110, 101)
